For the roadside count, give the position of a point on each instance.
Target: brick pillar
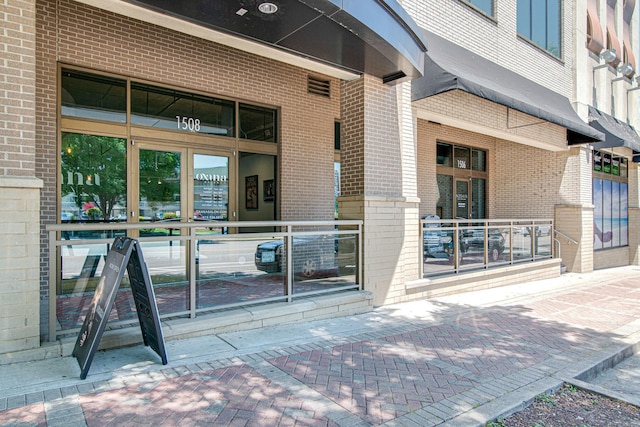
(574, 218)
(19, 188)
(378, 183)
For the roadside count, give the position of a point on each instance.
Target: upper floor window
(539, 21)
(485, 6)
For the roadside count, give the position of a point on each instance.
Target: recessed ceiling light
(241, 11)
(267, 8)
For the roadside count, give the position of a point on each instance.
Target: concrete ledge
(20, 182)
(482, 279)
(239, 319)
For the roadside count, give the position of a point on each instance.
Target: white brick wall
(498, 40)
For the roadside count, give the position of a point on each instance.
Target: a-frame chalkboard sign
(125, 253)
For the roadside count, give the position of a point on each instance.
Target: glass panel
(81, 268)
(462, 160)
(472, 246)
(539, 23)
(553, 27)
(159, 186)
(315, 263)
(93, 178)
(615, 166)
(210, 188)
(623, 167)
(624, 215)
(597, 161)
(336, 187)
(257, 123)
(462, 199)
(615, 214)
(478, 198)
(93, 97)
(484, 5)
(444, 205)
(606, 214)
(479, 160)
(167, 263)
(524, 18)
(438, 249)
(443, 155)
(606, 163)
(522, 243)
(171, 109)
(238, 271)
(597, 214)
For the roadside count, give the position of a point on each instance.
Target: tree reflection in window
(93, 178)
(159, 185)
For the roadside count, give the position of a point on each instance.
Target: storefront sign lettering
(76, 178)
(210, 177)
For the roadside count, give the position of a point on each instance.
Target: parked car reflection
(472, 240)
(312, 255)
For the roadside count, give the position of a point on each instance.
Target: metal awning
(450, 67)
(616, 133)
(376, 37)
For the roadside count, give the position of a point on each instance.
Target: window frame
(529, 37)
(491, 15)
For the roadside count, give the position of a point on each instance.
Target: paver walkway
(453, 361)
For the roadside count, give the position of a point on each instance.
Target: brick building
(449, 107)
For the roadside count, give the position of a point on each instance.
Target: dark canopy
(376, 37)
(616, 133)
(449, 67)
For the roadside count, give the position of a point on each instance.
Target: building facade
(132, 113)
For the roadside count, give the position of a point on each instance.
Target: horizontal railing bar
(200, 224)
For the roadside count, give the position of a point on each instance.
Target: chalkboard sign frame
(125, 255)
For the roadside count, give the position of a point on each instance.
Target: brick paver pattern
(376, 376)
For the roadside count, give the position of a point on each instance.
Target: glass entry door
(182, 185)
(160, 184)
(210, 189)
(462, 198)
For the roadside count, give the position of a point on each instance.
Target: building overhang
(451, 67)
(616, 132)
(339, 38)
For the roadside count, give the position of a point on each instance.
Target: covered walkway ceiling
(340, 38)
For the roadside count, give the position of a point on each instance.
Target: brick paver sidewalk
(412, 371)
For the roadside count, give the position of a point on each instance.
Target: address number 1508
(188, 123)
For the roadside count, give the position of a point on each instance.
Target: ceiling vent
(319, 87)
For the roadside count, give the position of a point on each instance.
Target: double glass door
(183, 184)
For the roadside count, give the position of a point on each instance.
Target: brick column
(378, 183)
(574, 218)
(19, 188)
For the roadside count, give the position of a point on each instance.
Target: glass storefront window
(478, 160)
(461, 160)
(478, 197)
(257, 123)
(159, 185)
(485, 6)
(211, 187)
(623, 168)
(170, 109)
(93, 178)
(444, 205)
(443, 155)
(610, 213)
(91, 96)
(468, 168)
